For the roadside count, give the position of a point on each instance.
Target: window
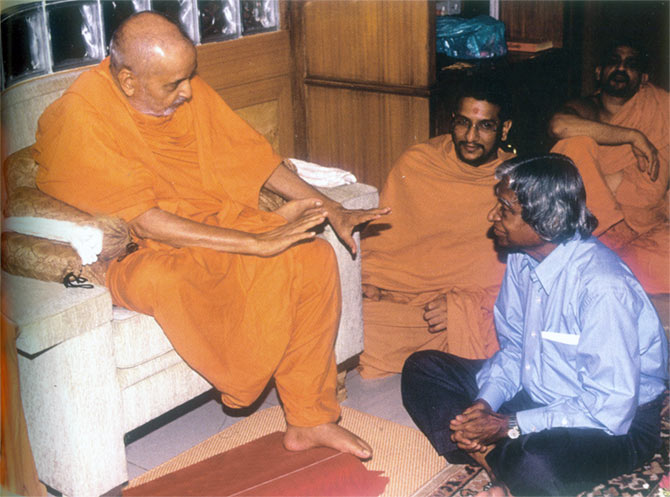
(51, 35)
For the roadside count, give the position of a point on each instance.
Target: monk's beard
(626, 91)
(483, 159)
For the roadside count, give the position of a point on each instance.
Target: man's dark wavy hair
(551, 194)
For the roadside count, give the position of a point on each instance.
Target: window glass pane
(24, 46)
(180, 11)
(75, 33)
(219, 20)
(258, 16)
(114, 12)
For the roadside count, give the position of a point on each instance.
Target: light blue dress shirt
(579, 334)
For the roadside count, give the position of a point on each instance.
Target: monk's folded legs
(241, 320)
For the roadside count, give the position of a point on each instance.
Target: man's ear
(506, 126)
(127, 81)
(599, 71)
(645, 78)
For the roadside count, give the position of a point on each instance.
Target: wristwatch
(513, 430)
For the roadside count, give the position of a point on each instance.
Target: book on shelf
(529, 46)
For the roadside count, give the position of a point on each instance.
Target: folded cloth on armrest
(86, 240)
(317, 175)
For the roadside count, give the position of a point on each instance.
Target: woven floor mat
(401, 452)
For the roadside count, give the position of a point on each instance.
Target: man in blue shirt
(573, 397)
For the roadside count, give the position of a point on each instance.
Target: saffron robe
(239, 320)
(434, 242)
(616, 190)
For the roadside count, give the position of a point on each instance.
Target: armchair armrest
(47, 313)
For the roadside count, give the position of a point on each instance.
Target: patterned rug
(651, 480)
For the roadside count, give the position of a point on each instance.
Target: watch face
(514, 432)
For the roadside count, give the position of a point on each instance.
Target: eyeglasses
(484, 127)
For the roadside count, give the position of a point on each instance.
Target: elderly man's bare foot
(326, 435)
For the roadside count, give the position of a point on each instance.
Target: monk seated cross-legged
(430, 274)
(244, 296)
(619, 140)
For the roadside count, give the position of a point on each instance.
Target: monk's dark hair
(624, 41)
(551, 194)
(118, 45)
(489, 89)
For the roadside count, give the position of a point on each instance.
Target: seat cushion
(137, 338)
(130, 376)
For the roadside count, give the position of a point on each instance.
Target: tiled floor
(378, 397)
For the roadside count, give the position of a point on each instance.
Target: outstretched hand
(302, 215)
(344, 221)
(293, 209)
(478, 427)
(646, 155)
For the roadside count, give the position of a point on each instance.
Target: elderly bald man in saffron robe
(243, 295)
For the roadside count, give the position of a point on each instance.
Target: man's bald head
(144, 39)
(153, 63)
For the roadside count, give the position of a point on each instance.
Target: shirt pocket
(559, 349)
(564, 338)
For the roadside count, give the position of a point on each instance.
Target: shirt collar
(547, 271)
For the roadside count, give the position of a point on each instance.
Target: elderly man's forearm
(164, 227)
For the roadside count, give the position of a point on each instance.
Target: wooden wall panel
(378, 41)
(525, 20)
(264, 118)
(363, 132)
(253, 75)
(235, 62)
(277, 93)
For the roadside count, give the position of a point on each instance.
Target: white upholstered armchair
(91, 372)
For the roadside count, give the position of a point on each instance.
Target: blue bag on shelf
(481, 37)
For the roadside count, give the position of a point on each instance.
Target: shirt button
(533, 334)
(564, 421)
(527, 367)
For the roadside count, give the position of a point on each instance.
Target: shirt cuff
(534, 420)
(493, 395)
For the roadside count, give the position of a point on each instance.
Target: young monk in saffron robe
(619, 139)
(430, 274)
(242, 300)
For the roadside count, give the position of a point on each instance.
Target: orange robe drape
(18, 474)
(434, 242)
(617, 190)
(238, 320)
